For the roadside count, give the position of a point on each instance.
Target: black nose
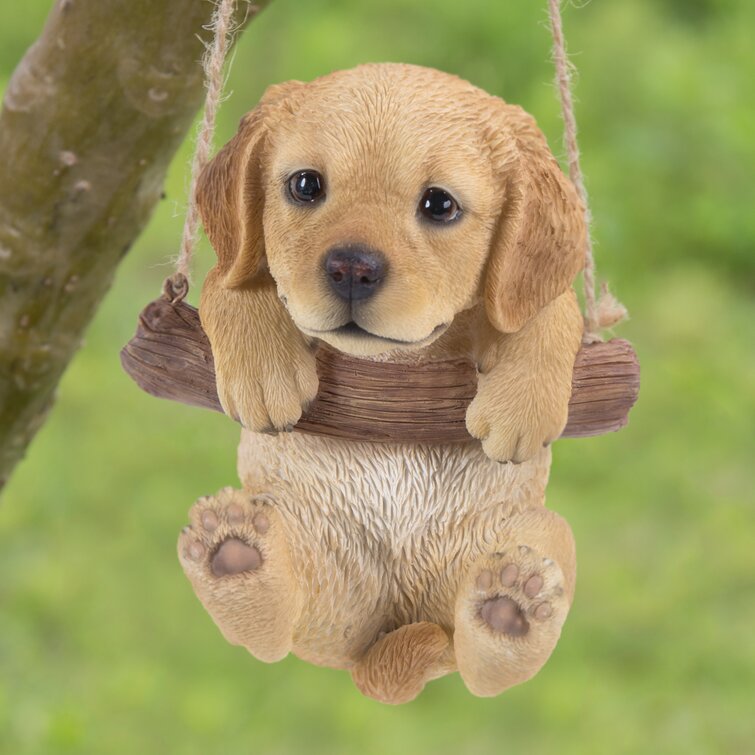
(354, 271)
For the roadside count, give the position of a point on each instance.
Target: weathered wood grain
(170, 357)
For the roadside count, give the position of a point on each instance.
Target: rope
(604, 311)
(176, 286)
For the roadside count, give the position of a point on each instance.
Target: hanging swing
(378, 537)
(170, 356)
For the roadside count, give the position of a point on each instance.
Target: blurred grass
(104, 649)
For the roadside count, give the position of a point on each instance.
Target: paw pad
(516, 590)
(533, 586)
(261, 523)
(234, 556)
(485, 580)
(196, 551)
(509, 575)
(234, 513)
(227, 534)
(210, 520)
(504, 615)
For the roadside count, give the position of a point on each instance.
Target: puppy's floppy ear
(538, 245)
(230, 194)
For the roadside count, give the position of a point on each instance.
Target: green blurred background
(103, 647)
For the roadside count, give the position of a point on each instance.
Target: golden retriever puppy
(396, 213)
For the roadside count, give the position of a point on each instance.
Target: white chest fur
(392, 489)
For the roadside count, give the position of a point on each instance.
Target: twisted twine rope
(604, 311)
(177, 285)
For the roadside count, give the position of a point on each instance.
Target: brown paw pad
(485, 580)
(504, 615)
(261, 523)
(509, 575)
(210, 520)
(196, 551)
(234, 556)
(235, 514)
(533, 586)
(516, 593)
(543, 611)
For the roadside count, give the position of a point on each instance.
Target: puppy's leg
(397, 667)
(265, 367)
(512, 603)
(236, 555)
(525, 382)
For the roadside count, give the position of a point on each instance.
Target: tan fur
(398, 562)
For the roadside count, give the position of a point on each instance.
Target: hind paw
(236, 556)
(517, 590)
(509, 615)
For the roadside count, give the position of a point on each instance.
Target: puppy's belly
(381, 534)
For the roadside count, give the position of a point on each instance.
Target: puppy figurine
(400, 214)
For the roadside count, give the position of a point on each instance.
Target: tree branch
(170, 357)
(90, 122)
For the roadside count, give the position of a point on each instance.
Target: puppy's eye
(439, 206)
(306, 186)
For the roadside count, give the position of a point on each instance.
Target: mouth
(356, 331)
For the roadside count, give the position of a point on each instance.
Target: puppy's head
(386, 199)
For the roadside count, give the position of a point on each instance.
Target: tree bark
(91, 119)
(170, 357)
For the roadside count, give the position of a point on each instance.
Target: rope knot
(175, 288)
(607, 313)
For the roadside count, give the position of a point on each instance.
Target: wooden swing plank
(170, 357)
